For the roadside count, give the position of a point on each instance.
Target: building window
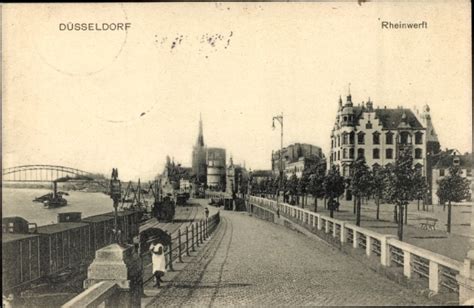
(344, 138)
(441, 172)
(375, 166)
(338, 140)
(468, 172)
(344, 153)
(368, 125)
(418, 138)
(389, 138)
(376, 138)
(389, 153)
(418, 153)
(360, 153)
(360, 138)
(418, 167)
(351, 153)
(405, 138)
(351, 138)
(376, 153)
(338, 155)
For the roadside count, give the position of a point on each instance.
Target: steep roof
(445, 159)
(391, 118)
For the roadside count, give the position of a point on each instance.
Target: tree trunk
(406, 214)
(418, 204)
(449, 217)
(400, 224)
(395, 216)
(325, 203)
(355, 201)
(358, 211)
(444, 206)
(377, 202)
(315, 204)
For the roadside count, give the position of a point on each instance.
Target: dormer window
(456, 161)
(368, 125)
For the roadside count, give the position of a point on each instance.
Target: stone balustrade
(439, 270)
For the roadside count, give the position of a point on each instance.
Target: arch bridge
(40, 173)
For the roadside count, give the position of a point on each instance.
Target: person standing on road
(159, 262)
(206, 210)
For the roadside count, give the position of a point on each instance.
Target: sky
(97, 100)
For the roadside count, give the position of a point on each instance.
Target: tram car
(33, 254)
(164, 210)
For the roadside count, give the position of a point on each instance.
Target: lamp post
(115, 194)
(279, 119)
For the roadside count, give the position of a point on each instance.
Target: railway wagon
(20, 260)
(63, 245)
(128, 223)
(101, 231)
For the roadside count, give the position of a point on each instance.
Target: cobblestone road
(253, 262)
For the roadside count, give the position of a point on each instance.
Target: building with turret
(379, 134)
(216, 168)
(199, 167)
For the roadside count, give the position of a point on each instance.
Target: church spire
(200, 140)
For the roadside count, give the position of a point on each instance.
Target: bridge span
(40, 173)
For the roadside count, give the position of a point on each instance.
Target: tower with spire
(199, 167)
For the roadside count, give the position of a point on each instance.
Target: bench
(428, 223)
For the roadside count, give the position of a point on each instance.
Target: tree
(316, 176)
(333, 187)
(378, 185)
(361, 183)
(399, 189)
(453, 188)
(293, 186)
(420, 188)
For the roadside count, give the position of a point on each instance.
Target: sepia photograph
(226, 154)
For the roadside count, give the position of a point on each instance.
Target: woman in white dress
(159, 262)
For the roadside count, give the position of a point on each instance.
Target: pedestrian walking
(159, 262)
(206, 210)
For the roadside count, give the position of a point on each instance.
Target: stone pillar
(326, 224)
(320, 224)
(407, 264)
(434, 277)
(368, 245)
(385, 256)
(343, 233)
(118, 263)
(466, 277)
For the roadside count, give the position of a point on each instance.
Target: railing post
(170, 265)
(197, 234)
(320, 225)
(334, 227)
(187, 241)
(179, 246)
(434, 277)
(355, 239)
(343, 232)
(326, 226)
(407, 264)
(368, 245)
(192, 238)
(200, 229)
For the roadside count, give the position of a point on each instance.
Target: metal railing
(438, 270)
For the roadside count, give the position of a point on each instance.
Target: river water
(19, 202)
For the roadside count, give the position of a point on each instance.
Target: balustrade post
(326, 226)
(343, 235)
(407, 264)
(180, 259)
(385, 254)
(187, 241)
(434, 277)
(320, 225)
(200, 230)
(334, 227)
(368, 245)
(355, 239)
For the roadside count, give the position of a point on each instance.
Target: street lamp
(279, 118)
(115, 194)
